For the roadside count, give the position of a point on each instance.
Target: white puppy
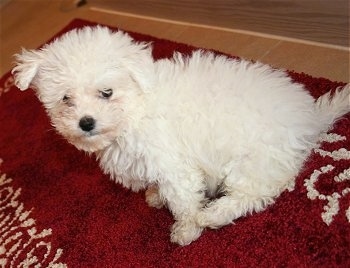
(212, 138)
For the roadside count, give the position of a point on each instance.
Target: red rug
(58, 209)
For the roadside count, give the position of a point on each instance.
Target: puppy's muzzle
(87, 123)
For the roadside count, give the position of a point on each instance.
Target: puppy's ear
(142, 67)
(137, 59)
(27, 65)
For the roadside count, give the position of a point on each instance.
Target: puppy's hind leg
(235, 203)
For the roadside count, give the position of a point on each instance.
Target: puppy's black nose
(87, 123)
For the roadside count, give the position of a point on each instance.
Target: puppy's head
(91, 82)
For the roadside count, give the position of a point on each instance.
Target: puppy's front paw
(184, 232)
(153, 198)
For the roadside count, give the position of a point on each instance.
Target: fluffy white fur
(212, 138)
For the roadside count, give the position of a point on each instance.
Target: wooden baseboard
(321, 21)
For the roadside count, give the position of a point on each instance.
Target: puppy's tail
(331, 107)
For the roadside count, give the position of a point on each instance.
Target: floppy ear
(27, 65)
(142, 67)
(137, 59)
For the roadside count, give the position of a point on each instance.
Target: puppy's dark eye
(106, 93)
(65, 98)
